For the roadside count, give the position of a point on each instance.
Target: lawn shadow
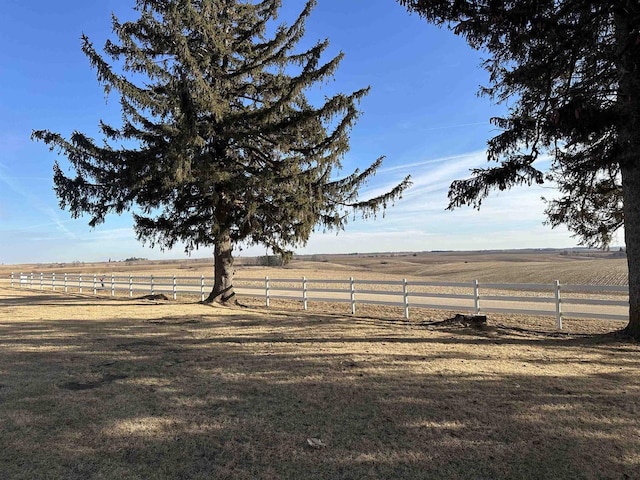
(238, 395)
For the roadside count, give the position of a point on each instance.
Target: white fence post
(352, 288)
(476, 297)
(558, 306)
(304, 293)
(405, 294)
(266, 291)
(26, 280)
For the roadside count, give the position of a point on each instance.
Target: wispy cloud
(456, 125)
(420, 221)
(427, 176)
(109, 235)
(417, 222)
(16, 186)
(537, 236)
(13, 142)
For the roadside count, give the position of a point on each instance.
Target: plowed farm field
(587, 268)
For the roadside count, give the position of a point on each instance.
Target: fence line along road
(583, 301)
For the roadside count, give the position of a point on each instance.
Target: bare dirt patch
(101, 388)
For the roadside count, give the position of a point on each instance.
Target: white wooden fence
(583, 301)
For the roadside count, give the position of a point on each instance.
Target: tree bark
(631, 196)
(222, 291)
(626, 24)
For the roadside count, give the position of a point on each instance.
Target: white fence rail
(111, 284)
(554, 300)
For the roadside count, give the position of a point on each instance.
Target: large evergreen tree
(219, 143)
(571, 70)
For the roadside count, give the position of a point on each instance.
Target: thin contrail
(458, 125)
(33, 200)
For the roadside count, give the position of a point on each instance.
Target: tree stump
(157, 296)
(475, 321)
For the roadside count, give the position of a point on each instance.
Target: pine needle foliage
(570, 71)
(560, 62)
(227, 148)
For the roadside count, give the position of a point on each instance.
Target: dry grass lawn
(98, 388)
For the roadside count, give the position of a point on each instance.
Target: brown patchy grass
(132, 389)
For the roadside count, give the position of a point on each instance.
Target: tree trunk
(223, 271)
(631, 196)
(626, 24)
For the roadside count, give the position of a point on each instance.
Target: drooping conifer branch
(570, 70)
(218, 143)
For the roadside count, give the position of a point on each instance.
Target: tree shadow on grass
(295, 329)
(237, 396)
(79, 300)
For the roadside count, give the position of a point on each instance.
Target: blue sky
(423, 114)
